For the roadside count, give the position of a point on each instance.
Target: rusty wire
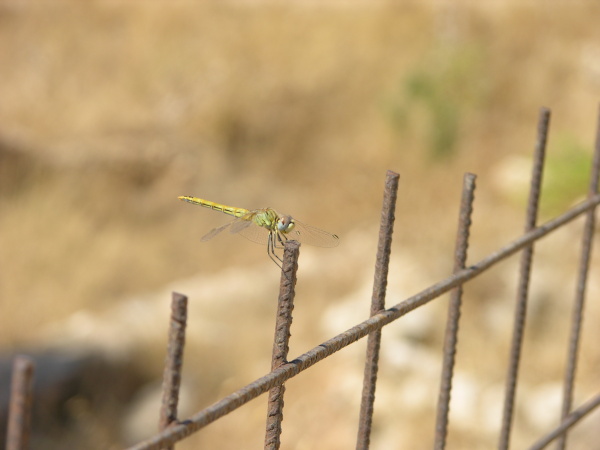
(173, 362)
(524, 277)
(382, 262)
(451, 336)
(283, 324)
(286, 371)
(19, 413)
(578, 304)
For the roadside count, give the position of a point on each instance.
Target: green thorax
(266, 218)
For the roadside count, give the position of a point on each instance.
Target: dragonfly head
(285, 224)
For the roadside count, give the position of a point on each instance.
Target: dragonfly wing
(312, 236)
(243, 222)
(246, 227)
(212, 233)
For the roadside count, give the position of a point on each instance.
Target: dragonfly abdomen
(232, 211)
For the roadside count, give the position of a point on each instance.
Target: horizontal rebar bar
(571, 419)
(303, 362)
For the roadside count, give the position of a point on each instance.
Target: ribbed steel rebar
(21, 397)
(520, 314)
(173, 362)
(283, 323)
(578, 304)
(382, 263)
(451, 336)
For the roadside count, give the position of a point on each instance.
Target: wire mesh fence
(173, 429)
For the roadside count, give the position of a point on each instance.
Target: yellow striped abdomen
(232, 211)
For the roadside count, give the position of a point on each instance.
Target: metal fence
(172, 429)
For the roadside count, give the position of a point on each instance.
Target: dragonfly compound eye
(285, 224)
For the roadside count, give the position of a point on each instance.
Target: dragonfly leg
(271, 246)
(277, 238)
(280, 240)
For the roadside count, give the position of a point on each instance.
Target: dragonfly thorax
(285, 224)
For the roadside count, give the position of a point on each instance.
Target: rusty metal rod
(382, 263)
(19, 414)
(451, 337)
(524, 277)
(579, 302)
(571, 419)
(285, 372)
(173, 362)
(283, 323)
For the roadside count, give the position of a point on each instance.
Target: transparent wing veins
(306, 234)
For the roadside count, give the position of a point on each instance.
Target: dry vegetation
(108, 112)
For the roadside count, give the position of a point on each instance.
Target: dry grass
(109, 112)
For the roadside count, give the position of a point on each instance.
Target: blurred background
(110, 111)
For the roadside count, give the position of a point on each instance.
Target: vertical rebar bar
(524, 277)
(283, 323)
(21, 394)
(377, 304)
(173, 362)
(451, 337)
(578, 304)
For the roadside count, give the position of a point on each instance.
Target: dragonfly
(265, 226)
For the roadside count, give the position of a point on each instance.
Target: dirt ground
(110, 111)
